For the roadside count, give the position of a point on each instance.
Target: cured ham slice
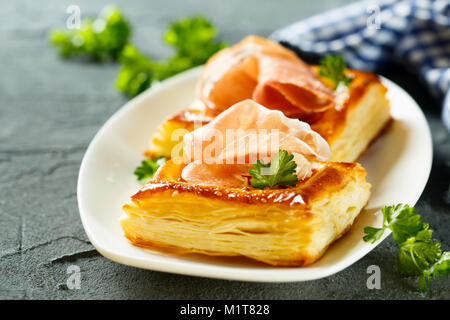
(262, 70)
(221, 152)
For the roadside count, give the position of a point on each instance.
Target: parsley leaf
(333, 68)
(136, 73)
(148, 168)
(418, 254)
(101, 39)
(281, 171)
(401, 219)
(193, 39)
(438, 269)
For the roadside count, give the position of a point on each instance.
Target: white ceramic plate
(398, 166)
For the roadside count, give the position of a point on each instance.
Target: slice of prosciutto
(260, 69)
(222, 152)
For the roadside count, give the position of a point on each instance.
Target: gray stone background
(49, 111)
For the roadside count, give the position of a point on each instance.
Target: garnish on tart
(279, 172)
(333, 68)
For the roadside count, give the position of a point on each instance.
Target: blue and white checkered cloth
(371, 34)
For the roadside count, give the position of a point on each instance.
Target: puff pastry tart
(270, 74)
(205, 207)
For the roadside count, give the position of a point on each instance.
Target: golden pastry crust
(284, 227)
(170, 132)
(364, 114)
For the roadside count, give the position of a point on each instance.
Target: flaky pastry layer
(282, 227)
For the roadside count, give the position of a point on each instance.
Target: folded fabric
(371, 34)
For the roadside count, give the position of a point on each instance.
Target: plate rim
(215, 271)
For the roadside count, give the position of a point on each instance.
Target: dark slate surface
(49, 111)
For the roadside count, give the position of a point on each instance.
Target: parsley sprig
(106, 38)
(418, 254)
(193, 39)
(333, 68)
(148, 168)
(401, 219)
(279, 172)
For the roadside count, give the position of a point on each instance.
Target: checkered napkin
(372, 34)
